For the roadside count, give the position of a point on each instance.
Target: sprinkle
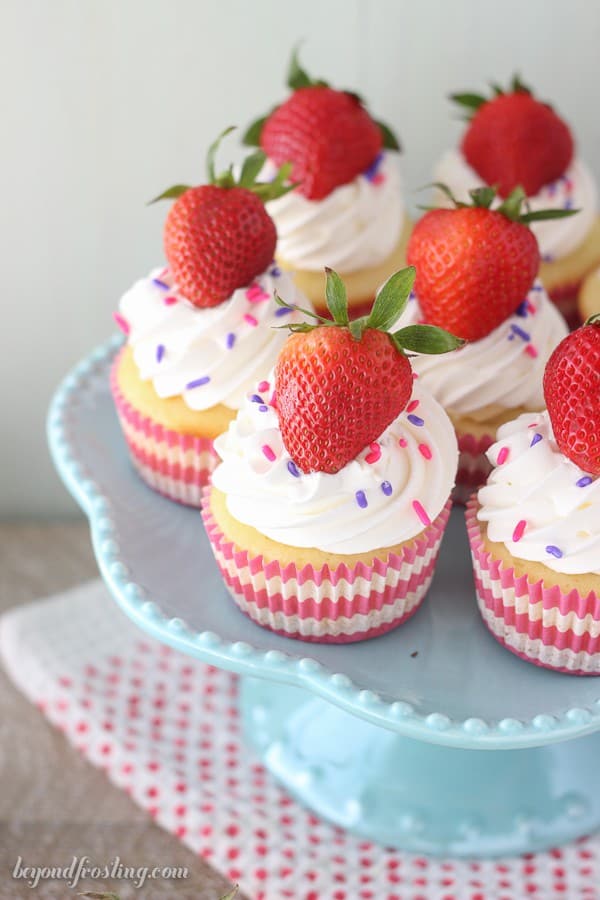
(268, 451)
(374, 453)
(412, 406)
(122, 322)
(263, 408)
(533, 425)
(361, 499)
(554, 551)
(371, 172)
(275, 272)
(415, 376)
(531, 351)
(516, 329)
(412, 296)
(170, 300)
(197, 383)
(283, 311)
(537, 287)
(293, 469)
(416, 420)
(386, 488)
(250, 320)
(402, 442)
(425, 451)
(254, 398)
(535, 439)
(256, 293)
(421, 513)
(583, 482)
(161, 284)
(230, 340)
(547, 257)
(263, 386)
(502, 455)
(160, 352)
(522, 310)
(519, 529)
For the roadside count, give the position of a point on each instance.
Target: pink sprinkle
(421, 513)
(263, 386)
(268, 451)
(164, 273)
(251, 320)
(379, 178)
(425, 451)
(519, 529)
(502, 456)
(412, 406)
(122, 322)
(529, 306)
(374, 453)
(531, 351)
(402, 442)
(533, 425)
(256, 294)
(415, 376)
(170, 300)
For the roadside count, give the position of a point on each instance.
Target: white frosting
(499, 370)
(538, 485)
(357, 225)
(322, 510)
(196, 341)
(576, 189)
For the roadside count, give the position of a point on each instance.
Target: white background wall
(106, 102)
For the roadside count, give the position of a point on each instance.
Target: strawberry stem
(511, 206)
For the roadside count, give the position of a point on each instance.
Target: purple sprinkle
(521, 309)
(583, 482)
(537, 287)
(263, 408)
(282, 311)
(371, 171)
(386, 488)
(412, 296)
(522, 334)
(230, 340)
(256, 399)
(511, 337)
(275, 272)
(554, 551)
(160, 352)
(568, 204)
(197, 383)
(535, 439)
(547, 257)
(415, 420)
(293, 469)
(361, 499)
(160, 284)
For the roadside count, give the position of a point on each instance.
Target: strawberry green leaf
(445, 190)
(511, 206)
(337, 300)
(212, 152)
(498, 91)
(171, 193)
(297, 77)
(426, 339)
(471, 101)
(251, 167)
(517, 85)
(390, 141)
(594, 319)
(251, 137)
(541, 214)
(483, 197)
(307, 312)
(391, 300)
(357, 327)
(271, 190)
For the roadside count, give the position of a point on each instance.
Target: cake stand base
(420, 797)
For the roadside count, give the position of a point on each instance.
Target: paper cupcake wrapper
(174, 464)
(542, 625)
(340, 605)
(473, 465)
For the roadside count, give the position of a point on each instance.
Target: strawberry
(474, 264)
(572, 394)
(339, 384)
(515, 139)
(218, 236)
(327, 135)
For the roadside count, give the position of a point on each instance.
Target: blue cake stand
(432, 738)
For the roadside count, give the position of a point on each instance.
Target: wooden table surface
(53, 804)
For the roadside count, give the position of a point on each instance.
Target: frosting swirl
(503, 369)
(384, 496)
(576, 189)
(557, 503)
(212, 355)
(356, 225)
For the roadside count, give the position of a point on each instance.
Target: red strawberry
(339, 384)
(475, 265)
(218, 236)
(572, 394)
(514, 139)
(327, 135)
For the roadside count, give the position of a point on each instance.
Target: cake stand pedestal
(432, 738)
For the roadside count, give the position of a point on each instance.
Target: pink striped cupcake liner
(325, 605)
(473, 465)
(173, 464)
(541, 625)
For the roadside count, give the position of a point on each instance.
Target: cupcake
(534, 527)
(327, 510)
(347, 210)
(202, 331)
(476, 277)
(589, 296)
(514, 139)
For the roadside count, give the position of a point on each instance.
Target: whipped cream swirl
(502, 370)
(576, 189)
(357, 225)
(213, 355)
(538, 503)
(386, 495)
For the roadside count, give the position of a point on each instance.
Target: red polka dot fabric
(166, 730)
